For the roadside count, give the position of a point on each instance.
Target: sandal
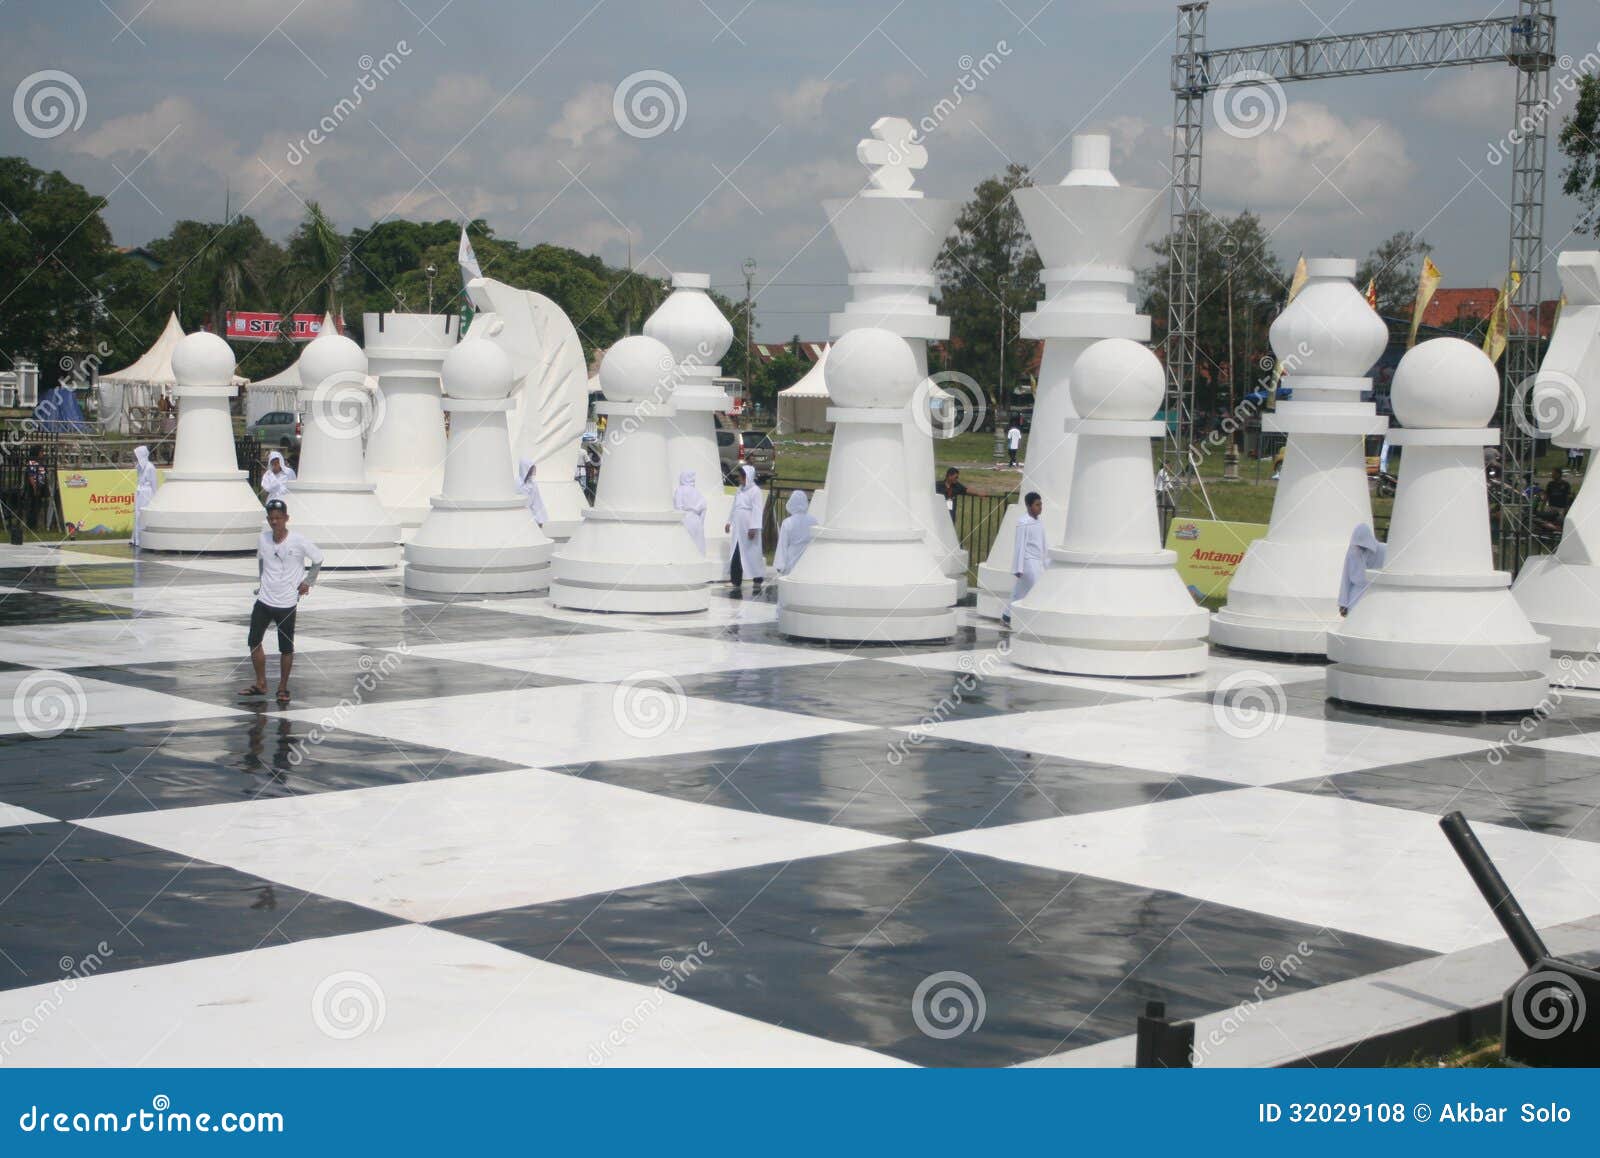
(283, 696)
(253, 690)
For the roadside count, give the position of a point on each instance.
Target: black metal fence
(977, 518)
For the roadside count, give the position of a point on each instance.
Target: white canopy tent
(804, 406)
(129, 399)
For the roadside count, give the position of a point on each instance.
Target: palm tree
(312, 277)
(634, 295)
(226, 271)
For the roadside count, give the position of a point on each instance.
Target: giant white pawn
(1561, 592)
(478, 536)
(206, 504)
(405, 451)
(1438, 629)
(333, 503)
(698, 335)
(870, 574)
(1285, 597)
(1111, 602)
(632, 551)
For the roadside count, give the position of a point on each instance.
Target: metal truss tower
(1525, 41)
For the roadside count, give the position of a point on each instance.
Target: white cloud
(803, 103)
(1315, 160)
(1480, 98)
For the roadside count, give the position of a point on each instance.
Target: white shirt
(283, 567)
(1013, 438)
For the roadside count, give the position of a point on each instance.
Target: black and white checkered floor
(495, 832)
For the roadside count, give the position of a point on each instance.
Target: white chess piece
(692, 327)
(868, 575)
(1285, 596)
(478, 537)
(891, 234)
(552, 394)
(331, 500)
(1438, 630)
(206, 504)
(406, 448)
(1111, 602)
(1561, 592)
(1090, 230)
(632, 551)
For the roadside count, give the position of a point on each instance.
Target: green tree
(1392, 268)
(55, 252)
(1228, 246)
(1579, 142)
(988, 276)
(311, 278)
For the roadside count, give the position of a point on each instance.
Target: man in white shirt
(282, 558)
(1013, 443)
(1028, 558)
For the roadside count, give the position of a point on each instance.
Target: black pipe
(1492, 885)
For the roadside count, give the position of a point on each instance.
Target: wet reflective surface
(837, 946)
(561, 800)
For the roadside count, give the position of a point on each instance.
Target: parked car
(736, 448)
(279, 428)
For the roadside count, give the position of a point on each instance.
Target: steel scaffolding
(1525, 41)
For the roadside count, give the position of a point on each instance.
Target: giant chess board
(493, 832)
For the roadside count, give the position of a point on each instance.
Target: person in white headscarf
(1364, 555)
(688, 499)
(528, 488)
(1028, 555)
(144, 487)
(744, 529)
(794, 536)
(276, 478)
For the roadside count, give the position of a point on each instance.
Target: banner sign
(99, 502)
(257, 327)
(1209, 552)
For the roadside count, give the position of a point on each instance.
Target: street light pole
(432, 272)
(749, 338)
(1230, 457)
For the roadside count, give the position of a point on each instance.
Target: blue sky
(506, 111)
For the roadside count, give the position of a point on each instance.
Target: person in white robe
(1364, 555)
(276, 478)
(1028, 557)
(144, 487)
(528, 488)
(688, 499)
(745, 556)
(794, 535)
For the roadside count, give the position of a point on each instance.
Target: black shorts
(280, 617)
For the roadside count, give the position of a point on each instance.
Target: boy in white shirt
(282, 557)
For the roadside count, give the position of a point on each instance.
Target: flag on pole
(1494, 341)
(467, 260)
(1372, 292)
(1427, 282)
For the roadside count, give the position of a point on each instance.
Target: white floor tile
(472, 844)
(406, 996)
(1194, 739)
(543, 727)
(157, 639)
(12, 815)
(46, 703)
(624, 655)
(205, 601)
(1329, 862)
